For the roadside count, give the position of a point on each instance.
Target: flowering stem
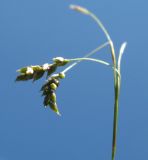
(82, 59)
(93, 60)
(87, 55)
(116, 85)
(116, 105)
(36, 72)
(100, 24)
(115, 121)
(116, 76)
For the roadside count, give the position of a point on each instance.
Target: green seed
(24, 77)
(54, 107)
(37, 75)
(22, 70)
(53, 97)
(53, 86)
(62, 75)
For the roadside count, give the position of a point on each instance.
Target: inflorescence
(49, 88)
(53, 80)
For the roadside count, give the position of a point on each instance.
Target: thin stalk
(93, 60)
(116, 109)
(82, 59)
(116, 85)
(115, 121)
(87, 55)
(116, 76)
(116, 105)
(100, 24)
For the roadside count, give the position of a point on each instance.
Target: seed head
(45, 66)
(53, 86)
(60, 61)
(61, 75)
(29, 70)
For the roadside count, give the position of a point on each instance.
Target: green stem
(116, 106)
(116, 76)
(86, 55)
(100, 24)
(116, 85)
(84, 59)
(93, 60)
(115, 121)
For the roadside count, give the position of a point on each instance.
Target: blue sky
(35, 31)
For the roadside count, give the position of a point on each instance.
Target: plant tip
(62, 75)
(123, 46)
(59, 114)
(79, 9)
(58, 59)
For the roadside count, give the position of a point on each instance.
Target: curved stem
(93, 60)
(116, 76)
(87, 55)
(116, 84)
(100, 24)
(83, 59)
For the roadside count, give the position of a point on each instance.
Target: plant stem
(116, 105)
(115, 121)
(100, 24)
(116, 67)
(116, 85)
(87, 55)
(93, 60)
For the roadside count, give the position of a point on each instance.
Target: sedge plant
(48, 89)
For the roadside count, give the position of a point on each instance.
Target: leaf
(60, 61)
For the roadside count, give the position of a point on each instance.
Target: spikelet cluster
(49, 88)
